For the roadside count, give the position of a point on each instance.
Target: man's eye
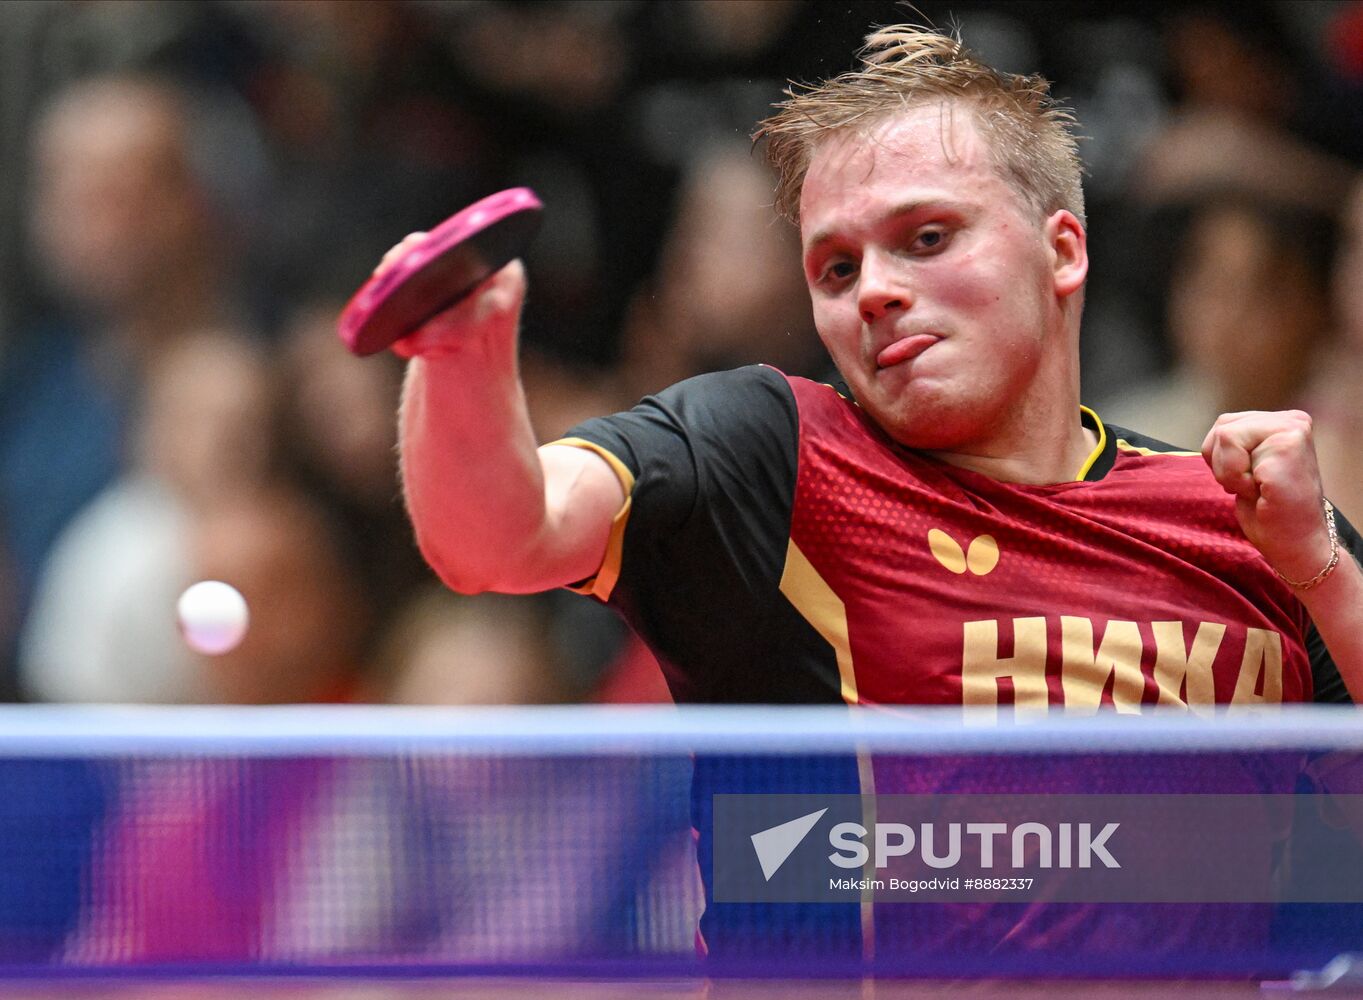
(931, 239)
(840, 270)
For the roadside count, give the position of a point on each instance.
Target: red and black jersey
(779, 547)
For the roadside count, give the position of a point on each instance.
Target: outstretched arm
(490, 510)
(1268, 462)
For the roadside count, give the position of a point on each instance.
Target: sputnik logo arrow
(776, 844)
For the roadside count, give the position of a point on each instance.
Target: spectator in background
(447, 649)
(339, 440)
(205, 499)
(371, 135)
(565, 392)
(1337, 400)
(700, 311)
(383, 117)
(1245, 120)
(307, 609)
(102, 626)
(426, 646)
(9, 619)
(708, 310)
(1247, 311)
(1239, 97)
(133, 240)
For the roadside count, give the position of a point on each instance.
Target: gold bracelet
(1320, 577)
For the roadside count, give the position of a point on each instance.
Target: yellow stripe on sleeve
(603, 582)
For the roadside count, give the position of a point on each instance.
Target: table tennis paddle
(439, 269)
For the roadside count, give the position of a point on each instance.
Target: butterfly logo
(980, 557)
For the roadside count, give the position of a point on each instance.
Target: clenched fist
(1268, 462)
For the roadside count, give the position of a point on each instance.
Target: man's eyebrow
(897, 212)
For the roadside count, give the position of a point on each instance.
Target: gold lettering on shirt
(1261, 670)
(1183, 675)
(1177, 667)
(1084, 674)
(982, 667)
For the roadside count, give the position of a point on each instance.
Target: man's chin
(924, 425)
(916, 433)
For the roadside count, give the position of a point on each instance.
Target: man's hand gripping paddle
(438, 269)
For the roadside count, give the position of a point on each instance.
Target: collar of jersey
(1095, 467)
(1100, 460)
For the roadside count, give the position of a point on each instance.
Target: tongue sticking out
(905, 350)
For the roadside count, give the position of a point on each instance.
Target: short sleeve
(709, 467)
(725, 442)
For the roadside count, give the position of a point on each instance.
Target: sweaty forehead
(919, 155)
(937, 146)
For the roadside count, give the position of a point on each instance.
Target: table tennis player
(958, 530)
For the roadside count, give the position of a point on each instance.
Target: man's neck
(1031, 470)
(1047, 446)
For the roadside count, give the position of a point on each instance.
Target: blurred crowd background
(190, 191)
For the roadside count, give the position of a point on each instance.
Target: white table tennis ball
(213, 617)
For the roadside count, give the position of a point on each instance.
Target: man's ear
(1068, 245)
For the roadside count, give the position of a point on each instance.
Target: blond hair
(1031, 135)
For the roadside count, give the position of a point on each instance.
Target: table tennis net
(553, 841)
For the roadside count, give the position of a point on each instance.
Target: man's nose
(881, 288)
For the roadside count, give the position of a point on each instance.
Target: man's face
(115, 210)
(931, 278)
